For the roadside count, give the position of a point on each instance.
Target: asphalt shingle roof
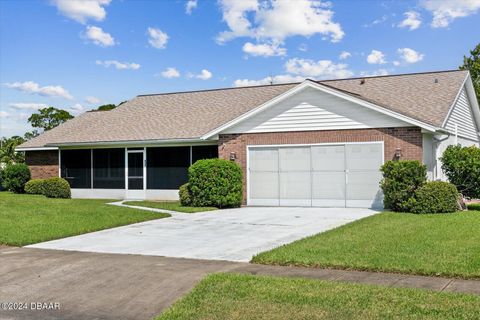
(426, 97)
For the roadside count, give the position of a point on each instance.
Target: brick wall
(408, 139)
(42, 164)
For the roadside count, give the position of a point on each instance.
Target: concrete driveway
(232, 234)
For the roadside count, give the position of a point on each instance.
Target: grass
(430, 244)
(27, 219)
(234, 296)
(169, 205)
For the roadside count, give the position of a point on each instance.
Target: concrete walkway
(230, 234)
(113, 286)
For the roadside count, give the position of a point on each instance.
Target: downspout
(434, 152)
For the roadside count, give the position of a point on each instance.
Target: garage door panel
(295, 188)
(328, 158)
(328, 189)
(264, 159)
(294, 159)
(364, 156)
(363, 185)
(264, 185)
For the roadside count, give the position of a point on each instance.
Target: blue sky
(78, 54)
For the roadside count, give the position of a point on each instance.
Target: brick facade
(408, 139)
(42, 164)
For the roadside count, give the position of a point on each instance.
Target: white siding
(461, 115)
(311, 109)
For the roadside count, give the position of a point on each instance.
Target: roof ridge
(290, 83)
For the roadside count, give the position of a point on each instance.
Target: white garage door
(344, 175)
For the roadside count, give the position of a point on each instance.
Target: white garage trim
(346, 202)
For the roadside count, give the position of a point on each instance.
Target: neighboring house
(315, 143)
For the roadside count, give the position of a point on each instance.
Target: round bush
(35, 186)
(15, 176)
(56, 187)
(184, 195)
(400, 181)
(435, 197)
(215, 183)
(462, 167)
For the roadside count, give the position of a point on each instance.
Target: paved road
(232, 234)
(120, 286)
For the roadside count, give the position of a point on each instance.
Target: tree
(49, 118)
(8, 155)
(31, 134)
(106, 107)
(472, 64)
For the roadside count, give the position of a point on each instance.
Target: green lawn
(233, 296)
(27, 219)
(169, 205)
(431, 244)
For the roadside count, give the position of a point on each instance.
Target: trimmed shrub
(435, 197)
(400, 181)
(474, 206)
(215, 183)
(185, 196)
(15, 176)
(56, 187)
(35, 186)
(462, 167)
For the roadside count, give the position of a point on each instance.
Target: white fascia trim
(455, 100)
(472, 97)
(36, 149)
(311, 84)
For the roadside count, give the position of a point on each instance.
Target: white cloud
(299, 69)
(278, 20)
(190, 5)
(317, 69)
(27, 106)
(376, 21)
(409, 55)
(379, 72)
(344, 55)
(99, 37)
(119, 65)
(264, 49)
(92, 100)
(170, 73)
(34, 88)
(396, 63)
(412, 20)
(376, 57)
(82, 10)
(158, 39)
(4, 114)
(204, 75)
(77, 107)
(283, 78)
(445, 11)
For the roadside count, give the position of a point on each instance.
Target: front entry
(333, 175)
(135, 174)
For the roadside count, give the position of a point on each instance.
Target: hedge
(215, 183)
(462, 167)
(15, 176)
(400, 181)
(435, 197)
(184, 195)
(56, 187)
(35, 186)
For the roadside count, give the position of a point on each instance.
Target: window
(167, 168)
(204, 152)
(76, 167)
(109, 168)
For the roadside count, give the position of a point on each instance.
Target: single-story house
(314, 143)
